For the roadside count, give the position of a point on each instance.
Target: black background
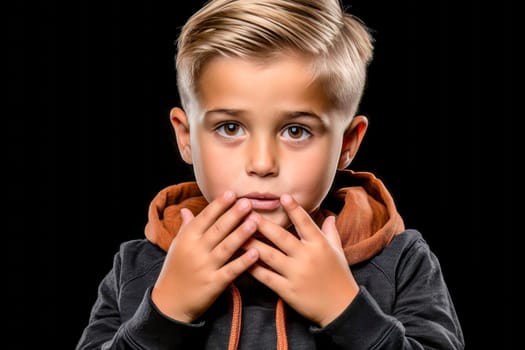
(89, 91)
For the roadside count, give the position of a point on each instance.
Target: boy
(276, 244)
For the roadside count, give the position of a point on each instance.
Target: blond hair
(337, 43)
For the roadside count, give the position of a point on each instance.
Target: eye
(296, 133)
(229, 130)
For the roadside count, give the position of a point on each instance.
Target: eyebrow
(232, 112)
(239, 112)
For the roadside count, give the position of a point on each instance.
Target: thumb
(330, 231)
(186, 216)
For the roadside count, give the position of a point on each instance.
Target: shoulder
(404, 245)
(401, 253)
(140, 249)
(406, 261)
(408, 240)
(138, 257)
(408, 251)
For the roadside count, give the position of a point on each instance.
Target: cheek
(323, 158)
(213, 170)
(313, 176)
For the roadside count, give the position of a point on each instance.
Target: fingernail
(244, 204)
(249, 226)
(253, 253)
(228, 195)
(286, 198)
(253, 217)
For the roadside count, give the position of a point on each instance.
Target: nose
(262, 158)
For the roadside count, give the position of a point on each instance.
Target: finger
(229, 272)
(271, 257)
(299, 218)
(329, 229)
(277, 235)
(209, 215)
(186, 216)
(269, 278)
(227, 222)
(234, 241)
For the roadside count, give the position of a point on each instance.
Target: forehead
(282, 82)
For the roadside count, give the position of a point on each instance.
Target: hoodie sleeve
(147, 328)
(422, 314)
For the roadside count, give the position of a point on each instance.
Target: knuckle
(267, 278)
(231, 272)
(216, 228)
(273, 256)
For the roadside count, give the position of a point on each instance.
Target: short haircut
(337, 43)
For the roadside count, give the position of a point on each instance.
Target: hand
(199, 265)
(309, 272)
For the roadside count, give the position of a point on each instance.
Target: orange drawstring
(280, 325)
(236, 318)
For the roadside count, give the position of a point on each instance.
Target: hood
(366, 218)
(366, 215)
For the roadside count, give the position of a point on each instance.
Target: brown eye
(229, 130)
(296, 133)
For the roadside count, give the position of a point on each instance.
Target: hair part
(338, 44)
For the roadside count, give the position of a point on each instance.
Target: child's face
(261, 131)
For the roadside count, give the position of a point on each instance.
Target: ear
(181, 126)
(352, 140)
